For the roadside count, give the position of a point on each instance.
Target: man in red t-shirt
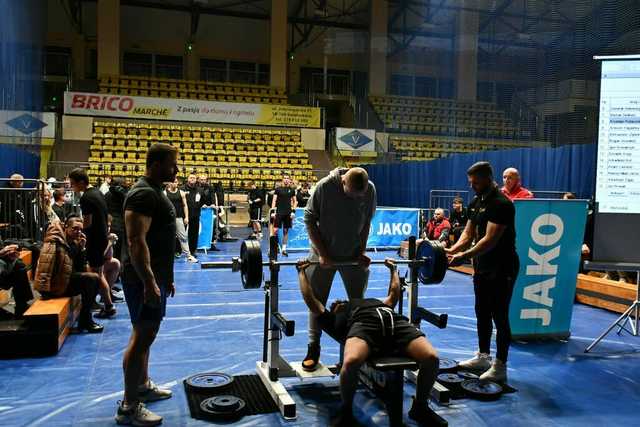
(512, 187)
(438, 227)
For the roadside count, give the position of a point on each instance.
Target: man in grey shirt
(338, 218)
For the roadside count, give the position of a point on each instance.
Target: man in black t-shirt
(491, 226)
(457, 218)
(147, 279)
(94, 219)
(284, 202)
(369, 327)
(256, 201)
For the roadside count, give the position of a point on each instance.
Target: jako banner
(389, 227)
(549, 235)
(205, 233)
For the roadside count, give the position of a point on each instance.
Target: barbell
(430, 261)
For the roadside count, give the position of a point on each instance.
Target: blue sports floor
(212, 325)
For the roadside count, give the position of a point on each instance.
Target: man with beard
(495, 261)
(150, 225)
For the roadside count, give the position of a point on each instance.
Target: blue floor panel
(213, 325)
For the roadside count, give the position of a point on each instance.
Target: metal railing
(59, 169)
(444, 198)
(23, 209)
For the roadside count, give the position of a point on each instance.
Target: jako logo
(102, 102)
(394, 229)
(538, 292)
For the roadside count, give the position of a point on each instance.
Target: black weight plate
(450, 379)
(223, 408)
(434, 270)
(467, 375)
(251, 264)
(447, 365)
(482, 390)
(209, 381)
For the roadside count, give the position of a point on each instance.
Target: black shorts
(283, 221)
(254, 214)
(403, 333)
(138, 310)
(95, 252)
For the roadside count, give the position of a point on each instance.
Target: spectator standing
(284, 202)
(178, 199)
(513, 188)
(195, 201)
(94, 217)
(115, 203)
(106, 183)
(303, 195)
(256, 201)
(60, 206)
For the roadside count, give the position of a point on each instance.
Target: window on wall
(446, 88)
(263, 74)
(242, 72)
(401, 85)
(137, 64)
(169, 67)
(57, 61)
(426, 87)
(213, 70)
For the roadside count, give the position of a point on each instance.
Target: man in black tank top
(370, 327)
(178, 199)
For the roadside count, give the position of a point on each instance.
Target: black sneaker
(97, 306)
(213, 248)
(424, 415)
(91, 327)
(285, 253)
(105, 313)
(310, 362)
(117, 289)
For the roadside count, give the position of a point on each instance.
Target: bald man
(338, 218)
(513, 189)
(438, 227)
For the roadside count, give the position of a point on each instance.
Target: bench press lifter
(369, 327)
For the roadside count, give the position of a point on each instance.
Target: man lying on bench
(369, 327)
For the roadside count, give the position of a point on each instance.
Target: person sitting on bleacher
(513, 188)
(13, 275)
(62, 269)
(458, 218)
(368, 328)
(438, 227)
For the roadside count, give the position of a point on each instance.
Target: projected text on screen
(618, 177)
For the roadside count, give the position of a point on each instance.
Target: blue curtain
(566, 168)
(17, 160)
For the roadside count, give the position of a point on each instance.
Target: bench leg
(389, 388)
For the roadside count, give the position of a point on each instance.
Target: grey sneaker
(496, 373)
(480, 362)
(136, 415)
(151, 392)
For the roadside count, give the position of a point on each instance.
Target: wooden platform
(53, 319)
(608, 294)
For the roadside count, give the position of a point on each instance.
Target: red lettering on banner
(104, 100)
(93, 102)
(78, 101)
(112, 100)
(126, 104)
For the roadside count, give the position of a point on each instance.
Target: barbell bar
(431, 262)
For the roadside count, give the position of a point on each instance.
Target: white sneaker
(137, 415)
(191, 258)
(151, 392)
(496, 373)
(480, 362)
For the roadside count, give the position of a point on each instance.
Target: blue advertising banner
(205, 234)
(389, 227)
(549, 235)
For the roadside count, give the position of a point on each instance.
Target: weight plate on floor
(447, 365)
(482, 390)
(209, 381)
(449, 379)
(223, 408)
(434, 270)
(467, 375)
